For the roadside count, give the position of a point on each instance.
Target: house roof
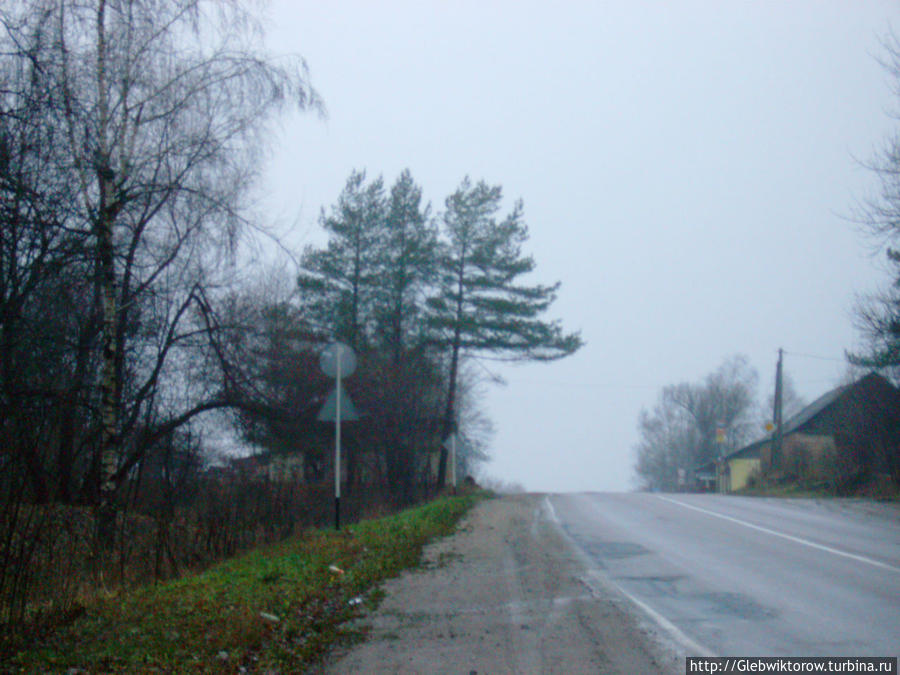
(751, 450)
(808, 413)
(816, 407)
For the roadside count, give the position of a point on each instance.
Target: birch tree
(162, 106)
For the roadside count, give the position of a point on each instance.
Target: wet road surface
(736, 576)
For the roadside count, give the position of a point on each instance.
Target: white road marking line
(675, 634)
(775, 533)
(692, 647)
(552, 511)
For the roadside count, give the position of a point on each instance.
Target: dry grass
(50, 569)
(277, 608)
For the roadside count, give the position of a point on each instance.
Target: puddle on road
(654, 586)
(704, 603)
(614, 549)
(605, 550)
(735, 605)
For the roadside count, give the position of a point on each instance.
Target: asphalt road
(732, 576)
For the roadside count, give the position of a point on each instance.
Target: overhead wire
(815, 356)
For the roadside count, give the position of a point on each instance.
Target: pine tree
(481, 306)
(338, 283)
(406, 259)
(367, 288)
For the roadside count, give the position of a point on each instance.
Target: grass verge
(787, 491)
(279, 608)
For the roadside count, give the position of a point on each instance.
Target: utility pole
(777, 417)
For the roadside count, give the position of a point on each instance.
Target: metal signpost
(337, 361)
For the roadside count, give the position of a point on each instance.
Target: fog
(688, 169)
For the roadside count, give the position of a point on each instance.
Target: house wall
(286, 468)
(740, 470)
(765, 459)
(809, 456)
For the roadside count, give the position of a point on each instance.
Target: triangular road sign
(328, 413)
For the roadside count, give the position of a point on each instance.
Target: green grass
(277, 608)
(786, 491)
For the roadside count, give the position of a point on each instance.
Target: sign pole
(337, 361)
(337, 448)
(453, 462)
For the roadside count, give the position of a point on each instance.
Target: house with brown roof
(844, 436)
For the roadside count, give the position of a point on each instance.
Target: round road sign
(337, 353)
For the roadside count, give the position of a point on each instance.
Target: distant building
(295, 467)
(845, 434)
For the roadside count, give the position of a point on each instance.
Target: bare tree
(475, 427)
(668, 442)
(162, 105)
(47, 327)
(682, 431)
(877, 316)
(724, 400)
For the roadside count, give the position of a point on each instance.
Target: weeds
(280, 607)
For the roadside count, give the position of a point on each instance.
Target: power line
(816, 356)
(589, 385)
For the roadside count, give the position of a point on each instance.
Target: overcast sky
(687, 171)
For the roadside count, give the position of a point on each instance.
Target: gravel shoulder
(505, 594)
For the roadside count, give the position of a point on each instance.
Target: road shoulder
(506, 593)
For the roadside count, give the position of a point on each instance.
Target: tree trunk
(107, 210)
(449, 424)
(109, 434)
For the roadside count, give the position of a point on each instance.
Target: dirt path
(506, 594)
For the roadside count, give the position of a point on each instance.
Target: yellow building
(741, 470)
(734, 472)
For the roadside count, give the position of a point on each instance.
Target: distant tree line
(694, 423)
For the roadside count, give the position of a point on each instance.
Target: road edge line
(675, 635)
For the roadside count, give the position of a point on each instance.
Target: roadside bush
(50, 567)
